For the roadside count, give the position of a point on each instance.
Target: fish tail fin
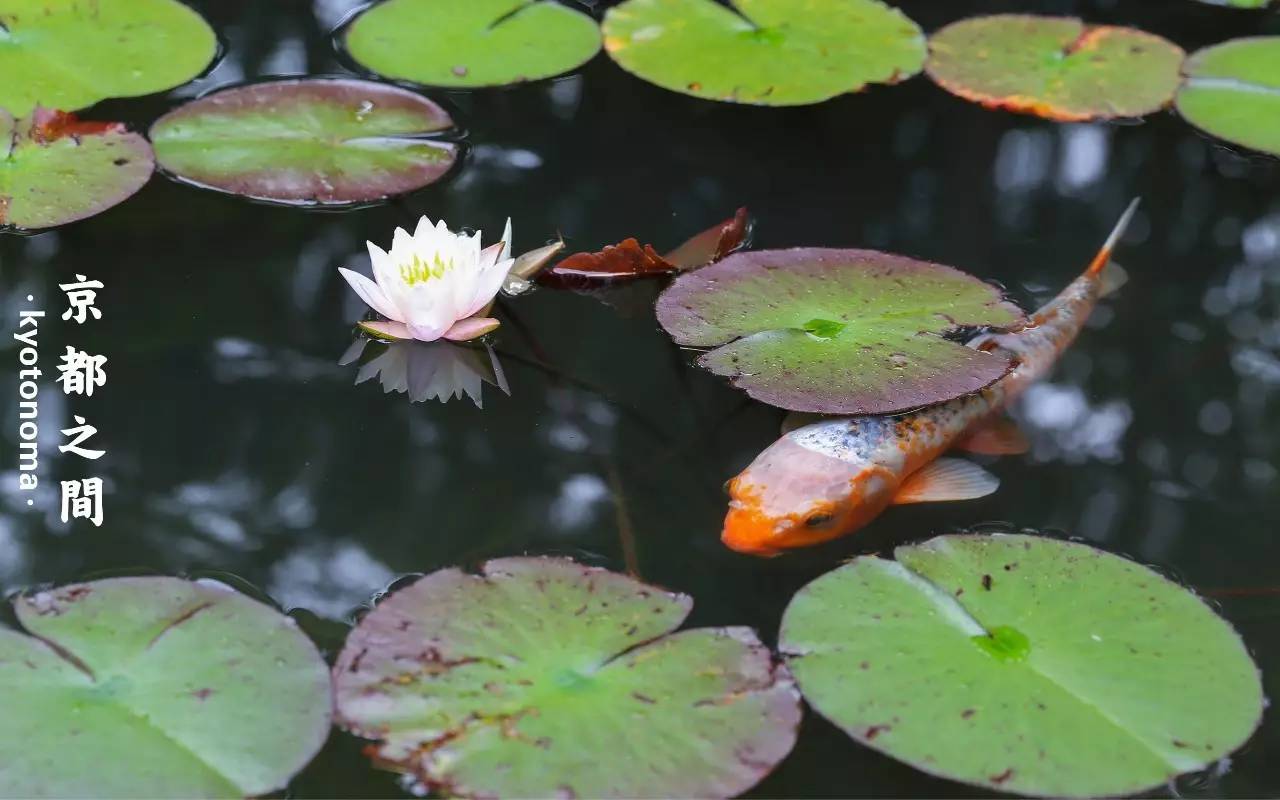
(1103, 257)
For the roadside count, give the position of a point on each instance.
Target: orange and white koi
(828, 479)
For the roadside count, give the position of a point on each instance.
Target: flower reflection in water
(438, 370)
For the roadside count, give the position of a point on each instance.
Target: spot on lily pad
(1055, 67)
(55, 168)
(70, 55)
(1232, 91)
(878, 321)
(473, 43)
(156, 687)
(314, 140)
(516, 682)
(1126, 679)
(762, 51)
(822, 328)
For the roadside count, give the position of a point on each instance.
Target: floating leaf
(1023, 664)
(156, 687)
(307, 141)
(1232, 91)
(474, 43)
(527, 266)
(626, 260)
(837, 331)
(58, 169)
(70, 54)
(765, 52)
(629, 259)
(714, 243)
(1055, 67)
(517, 683)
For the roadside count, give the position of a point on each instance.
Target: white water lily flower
(433, 284)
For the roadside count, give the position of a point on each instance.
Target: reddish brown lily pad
(57, 168)
(518, 682)
(1055, 67)
(629, 259)
(837, 331)
(329, 141)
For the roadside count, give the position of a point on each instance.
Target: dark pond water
(238, 445)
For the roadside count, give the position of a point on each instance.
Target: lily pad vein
(95, 680)
(959, 614)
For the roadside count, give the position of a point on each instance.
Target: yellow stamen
(419, 271)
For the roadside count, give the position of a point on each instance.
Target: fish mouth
(759, 552)
(748, 531)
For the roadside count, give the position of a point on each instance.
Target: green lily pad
(518, 682)
(1238, 3)
(329, 141)
(56, 169)
(765, 52)
(1232, 91)
(1055, 67)
(70, 54)
(472, 44)
(837, 331)
(1023, 664)
(156, 687)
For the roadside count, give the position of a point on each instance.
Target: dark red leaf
(48, 125)
(712, 244)
(623, 261)
(629, 259)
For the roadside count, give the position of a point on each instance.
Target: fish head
(793, 496)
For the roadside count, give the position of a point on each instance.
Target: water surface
(238, 445)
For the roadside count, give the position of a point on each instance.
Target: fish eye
(818, 520)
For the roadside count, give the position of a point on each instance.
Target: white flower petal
(490, 255)
(401, 243)
(387, 275)
(506, 241)
(423, 229)
(486, 287)
(427, 333)
(371, 294)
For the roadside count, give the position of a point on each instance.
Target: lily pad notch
(764, 53)
(514, 683)
(1127, 679)
(838, 331)
(1232, 91)
(472, 44)
(56, 168)
(327, 141)
(1055, 67)
(155, 686)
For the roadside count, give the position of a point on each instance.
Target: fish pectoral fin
(1113, 277)
(946, 479)
(999, 437)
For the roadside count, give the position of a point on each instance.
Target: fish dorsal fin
(997, 437)
(946, 479)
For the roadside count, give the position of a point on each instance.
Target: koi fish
(830, 478)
